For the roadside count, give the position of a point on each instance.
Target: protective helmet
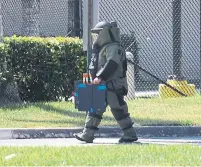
(105, 33)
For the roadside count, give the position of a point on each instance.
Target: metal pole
(96, 11)
(90, 23)
(177, 54)
(4, 63)
(200, 48)
(76, 6)
(1, 22)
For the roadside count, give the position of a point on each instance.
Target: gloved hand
(97, 80)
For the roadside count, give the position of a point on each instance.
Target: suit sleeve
(113, 57)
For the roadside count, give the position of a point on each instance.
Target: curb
(144, 131)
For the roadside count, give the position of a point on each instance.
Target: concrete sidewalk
(104, 132)
(61, 142)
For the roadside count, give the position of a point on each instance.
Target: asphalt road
(61, 142)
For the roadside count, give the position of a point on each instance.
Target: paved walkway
(60, 142)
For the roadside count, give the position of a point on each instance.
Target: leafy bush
(44, 68)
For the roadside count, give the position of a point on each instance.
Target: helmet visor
(94, 37)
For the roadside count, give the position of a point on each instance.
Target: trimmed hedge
(44, 68)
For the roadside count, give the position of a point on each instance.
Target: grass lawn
(156, 111)
(118, 155)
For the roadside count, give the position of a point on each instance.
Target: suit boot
(129, 133)
(90, 129)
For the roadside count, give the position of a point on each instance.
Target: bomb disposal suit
(109, 64)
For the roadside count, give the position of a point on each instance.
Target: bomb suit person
(108, 64)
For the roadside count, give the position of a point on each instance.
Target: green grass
(175, 111)
(118, 155)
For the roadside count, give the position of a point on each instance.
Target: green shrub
(45, 68)
(5, 76)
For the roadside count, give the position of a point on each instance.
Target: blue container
(90, 97)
